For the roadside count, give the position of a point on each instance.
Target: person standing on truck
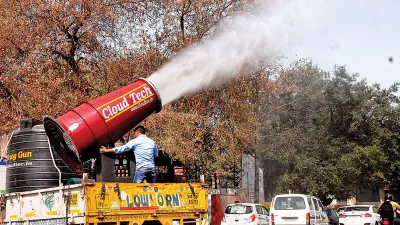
(145, 150)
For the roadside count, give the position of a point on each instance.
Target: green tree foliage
(333, 134)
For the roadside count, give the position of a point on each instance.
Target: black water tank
(30, 164)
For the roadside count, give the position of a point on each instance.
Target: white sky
(361, 34)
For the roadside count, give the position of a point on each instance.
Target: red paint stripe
(140, 208)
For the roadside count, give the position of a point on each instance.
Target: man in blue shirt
(145, 149)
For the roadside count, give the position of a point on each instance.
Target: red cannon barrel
(78, 134)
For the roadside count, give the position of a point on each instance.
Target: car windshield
(289, 203)
(239, 209)
(358, 208)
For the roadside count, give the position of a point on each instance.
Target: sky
(360, 34)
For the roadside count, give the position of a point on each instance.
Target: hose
(54, 163)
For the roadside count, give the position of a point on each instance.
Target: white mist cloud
(267, 31)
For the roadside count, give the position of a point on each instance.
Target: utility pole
(256, 172)
(257, 179)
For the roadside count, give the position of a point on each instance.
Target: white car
(341, 209)
(359, 215)
(245, 214)
(299, 209)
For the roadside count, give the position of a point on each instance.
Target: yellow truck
(109, 204)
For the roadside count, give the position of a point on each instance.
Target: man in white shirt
(145, 149)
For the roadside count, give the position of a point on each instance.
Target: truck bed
(109, 203)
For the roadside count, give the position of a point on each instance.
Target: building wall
(368, 195)
(248, 179)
